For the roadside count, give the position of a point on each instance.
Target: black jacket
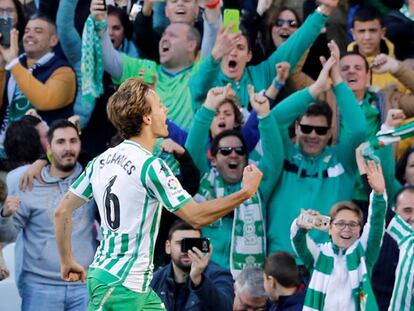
(214, 293)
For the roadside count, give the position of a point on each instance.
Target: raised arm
(373, 231)
(202, 214)
(293, 106)
(146, 38)
(271, 162)
(303, 245)
(297, 44)
(112, 60)
(353, 123)
(68, 35)
(198, 137)
(211, 26)
(203, 80)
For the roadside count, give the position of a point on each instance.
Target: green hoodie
(220, 232)
(315, 182)
(260, 76)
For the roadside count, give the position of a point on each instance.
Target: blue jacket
(290, 303)
(214, 293)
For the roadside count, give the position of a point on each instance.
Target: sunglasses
(307, 129)
(228, 150)
(290, 22)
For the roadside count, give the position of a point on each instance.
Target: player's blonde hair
(127, 107)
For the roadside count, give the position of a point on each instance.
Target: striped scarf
(248, 241)
(360, 281)
(402, 295)
(92, 67)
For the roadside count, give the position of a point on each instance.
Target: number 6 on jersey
(111, 203)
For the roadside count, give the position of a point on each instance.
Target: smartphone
(136, 8)
(319, 222)
(5, 28)
(203, 244)
(232, 16)
(322, 222)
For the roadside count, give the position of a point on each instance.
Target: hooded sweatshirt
(34, 218)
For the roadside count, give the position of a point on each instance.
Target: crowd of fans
(301, 93)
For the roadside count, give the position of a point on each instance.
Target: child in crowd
(341, 268)
(282, 283)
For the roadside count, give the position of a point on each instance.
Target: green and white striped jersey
(128, 184)
(403, 294)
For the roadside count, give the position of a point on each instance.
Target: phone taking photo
(203, 244)
(231, 16)
(319, 222)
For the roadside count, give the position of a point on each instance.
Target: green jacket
(313, 182)
(220, 232)
(374, 109)
(172, 88)
(261, 75)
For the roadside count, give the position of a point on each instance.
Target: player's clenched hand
(251, 179)
(72, 272)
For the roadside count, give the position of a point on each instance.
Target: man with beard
(130, 186)
(191, 281)
(31, 213)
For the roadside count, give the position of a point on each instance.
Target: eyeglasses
(341, 225)
(228, 150)
(290, 22)
(307, 129)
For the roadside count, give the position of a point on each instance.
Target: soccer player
(129, 184)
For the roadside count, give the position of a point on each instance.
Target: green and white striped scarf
(92, 67)
(360, 283)
(403, 293)
(248, 240)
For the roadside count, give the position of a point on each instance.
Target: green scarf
(358, 273)
(387, 137)
(248, 240)
(92, 67)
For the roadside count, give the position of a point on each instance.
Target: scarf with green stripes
(358, 275)
(92, 67)
(248, 240)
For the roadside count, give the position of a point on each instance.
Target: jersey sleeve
(165, 186)
(82, 187)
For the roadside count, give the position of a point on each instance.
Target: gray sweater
(34, 219)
